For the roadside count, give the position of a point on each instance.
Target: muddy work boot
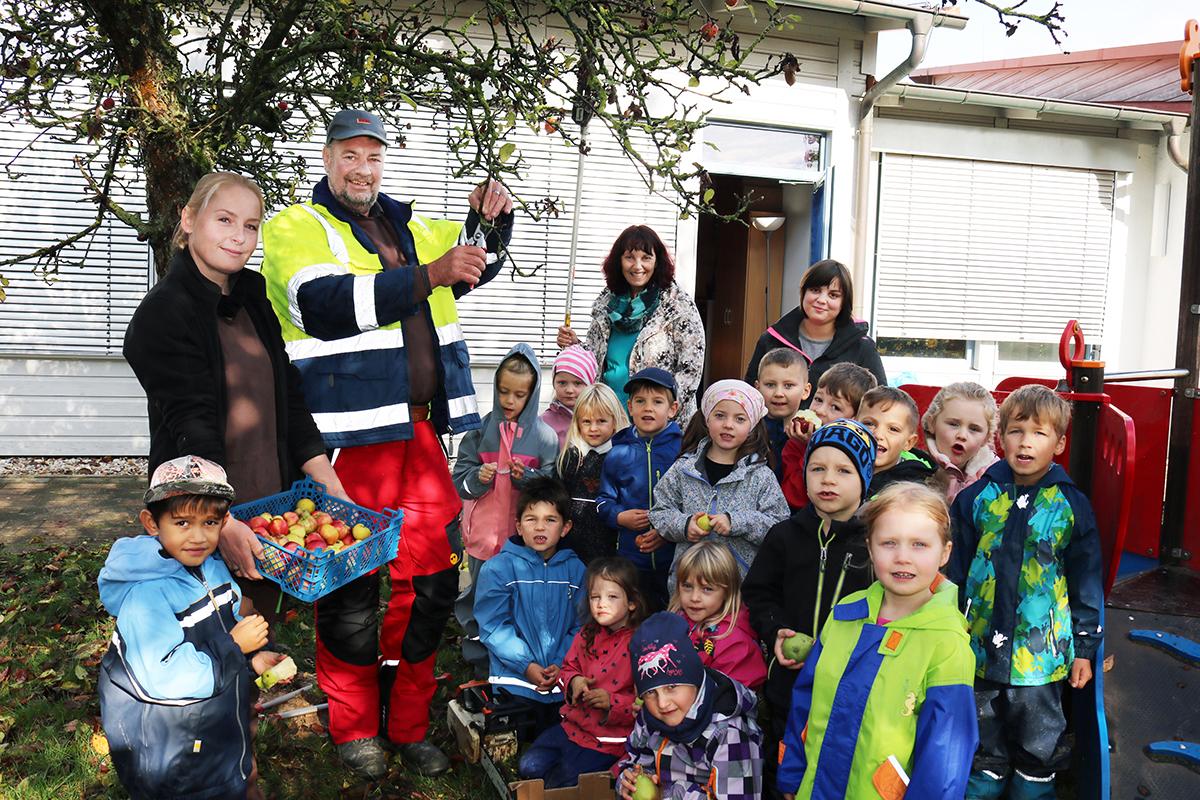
(366, 758)
(424, 758)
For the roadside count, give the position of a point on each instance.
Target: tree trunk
(144, 52)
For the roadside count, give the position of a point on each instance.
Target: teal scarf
(629, 314)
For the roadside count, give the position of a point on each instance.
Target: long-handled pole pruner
(575, 226)
(581, 115)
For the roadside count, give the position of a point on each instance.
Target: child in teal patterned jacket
(1027, 555)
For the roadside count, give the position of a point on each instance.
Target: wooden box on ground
(592, 786)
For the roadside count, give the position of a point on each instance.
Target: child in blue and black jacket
(175, 682)
(641, 455)
(1027, 556)
(527, 602)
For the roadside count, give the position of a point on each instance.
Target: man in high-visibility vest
(365, 294)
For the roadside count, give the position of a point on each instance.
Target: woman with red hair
(644, 319)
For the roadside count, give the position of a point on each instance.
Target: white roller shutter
(43, 199)
(990, 251)
(87, 310)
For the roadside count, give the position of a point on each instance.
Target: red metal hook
(1065, 357)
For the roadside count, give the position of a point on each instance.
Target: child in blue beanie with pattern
(696, 735)
(810, 561)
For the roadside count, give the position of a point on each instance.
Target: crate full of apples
(314, 543)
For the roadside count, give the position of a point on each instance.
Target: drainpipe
(920, 34)
(1174, 130)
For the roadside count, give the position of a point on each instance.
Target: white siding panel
(990, 251)
(71, 407)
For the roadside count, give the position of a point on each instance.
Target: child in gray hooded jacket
(494, 462)
(723, 487)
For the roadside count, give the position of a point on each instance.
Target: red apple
(313, 541)
(278, 527)
(322, 518)
(348, 539)
(309, 524)
(342, 528)
(258, 523)
(291, 547)
(292, 517)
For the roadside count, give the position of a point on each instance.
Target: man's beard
(356, 206)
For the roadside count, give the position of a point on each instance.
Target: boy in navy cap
(640, 455)
(696, 735)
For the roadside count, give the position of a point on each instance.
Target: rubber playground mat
(1152, 695)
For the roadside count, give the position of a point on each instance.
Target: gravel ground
(48, 465)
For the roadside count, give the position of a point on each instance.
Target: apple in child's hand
(360, 531)
(305, 504)
(797, 647)
(704, 523)
(278, 527)
(809, 416)
(328, 533)
(646, 789)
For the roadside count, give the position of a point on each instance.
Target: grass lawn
(53, 633)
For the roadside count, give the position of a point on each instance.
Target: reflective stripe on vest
(441, 300)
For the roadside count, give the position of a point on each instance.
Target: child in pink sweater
(597, 681)
(574, 370)
(708, 593)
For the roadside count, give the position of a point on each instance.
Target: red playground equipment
(1135, 451)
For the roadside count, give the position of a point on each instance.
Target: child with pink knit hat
(575, 369)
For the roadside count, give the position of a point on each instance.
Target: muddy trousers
(385, 683)
(1022, 727)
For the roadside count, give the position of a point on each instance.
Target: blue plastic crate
(306, 575)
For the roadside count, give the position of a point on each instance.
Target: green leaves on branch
(170, 91)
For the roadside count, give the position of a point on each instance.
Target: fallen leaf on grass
(71, 726)
(100, 743)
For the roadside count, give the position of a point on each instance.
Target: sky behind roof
(1090, 25)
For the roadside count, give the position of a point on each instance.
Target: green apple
(645, 789)
(704, 523)
(797, 647)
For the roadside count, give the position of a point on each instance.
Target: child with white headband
(723, 486)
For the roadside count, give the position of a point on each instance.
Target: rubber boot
(982, 786)
(1022, 787)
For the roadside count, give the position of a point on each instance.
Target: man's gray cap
(353, 122)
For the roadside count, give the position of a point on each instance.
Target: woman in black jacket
(822, 327)
(206, 346)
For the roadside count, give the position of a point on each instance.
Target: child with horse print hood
(696, 735)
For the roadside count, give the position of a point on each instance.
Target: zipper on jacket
(237, 683)
(650, 489)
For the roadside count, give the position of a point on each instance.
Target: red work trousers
(366, 691)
